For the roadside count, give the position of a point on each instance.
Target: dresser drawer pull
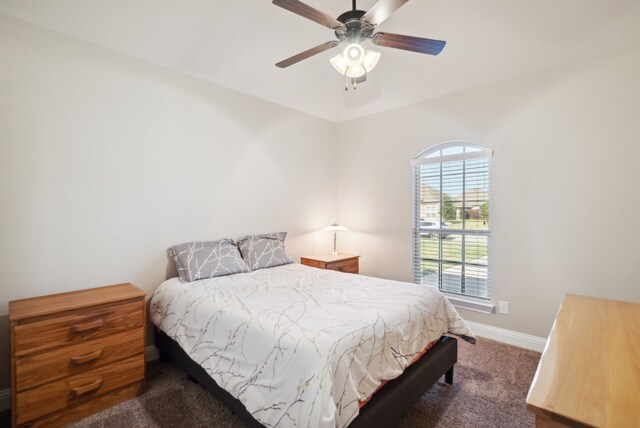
(92, 325)
(86, 358)
(90, 387)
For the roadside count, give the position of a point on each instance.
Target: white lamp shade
(339, 64)
(363, 62)
(355, 72)
(370, 60)
(335, 228)
(353, 55)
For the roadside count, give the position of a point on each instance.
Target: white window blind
(451, 218)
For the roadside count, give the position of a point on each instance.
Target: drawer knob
(91, 325)
(84, 389)
(86, 358)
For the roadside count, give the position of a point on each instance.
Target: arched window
(451, 218)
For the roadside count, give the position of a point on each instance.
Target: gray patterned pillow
(263, 251)
(199, 260)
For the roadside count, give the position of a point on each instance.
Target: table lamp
(335, 228)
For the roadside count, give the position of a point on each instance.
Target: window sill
(470, 304)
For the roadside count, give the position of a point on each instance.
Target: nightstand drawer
(34, 370)
(314, 263)
(347, 266)
(77, 389)
(80, 326)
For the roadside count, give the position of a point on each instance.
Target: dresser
(348, 263)
(589, 372)
(76, 353)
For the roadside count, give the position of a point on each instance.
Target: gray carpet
(490, 385)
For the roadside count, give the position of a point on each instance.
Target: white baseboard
(151, 353)
(509, 337)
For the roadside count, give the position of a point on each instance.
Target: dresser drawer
(80, 326)
(34, 370)
(82, 410)
(76, 389)
(348, 266)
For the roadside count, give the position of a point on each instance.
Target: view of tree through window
(451, 202)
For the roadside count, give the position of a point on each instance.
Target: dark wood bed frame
(385, 407)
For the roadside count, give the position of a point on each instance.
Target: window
(451, 218)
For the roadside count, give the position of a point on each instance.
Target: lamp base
(334, 253)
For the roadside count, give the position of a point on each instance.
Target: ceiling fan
(353, 28)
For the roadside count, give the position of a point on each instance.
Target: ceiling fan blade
(308, 12)
(409, 43)
(307, 54)
(381, 11)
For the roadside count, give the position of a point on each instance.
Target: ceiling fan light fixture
(371, 58)
(339, 64)
(353, 55)
(355, 72)
(352, 27)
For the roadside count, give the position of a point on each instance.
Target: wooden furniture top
(52, 304)
(589, 373)
(328, 258)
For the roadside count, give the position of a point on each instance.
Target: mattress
(301, 346)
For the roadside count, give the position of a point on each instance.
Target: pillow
(199, 260)
(264, 251)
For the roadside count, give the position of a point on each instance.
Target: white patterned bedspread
(301, 346)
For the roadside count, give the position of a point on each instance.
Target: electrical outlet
(503, 307)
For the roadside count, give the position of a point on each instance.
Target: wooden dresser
(589, 373)
(348, 263)
(76, 353)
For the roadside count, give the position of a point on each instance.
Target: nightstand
(348, 263)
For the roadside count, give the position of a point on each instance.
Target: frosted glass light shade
(371, 58)
(355, 72)
(339, 64)
(344, 65)
(335, 227)
(353, 55)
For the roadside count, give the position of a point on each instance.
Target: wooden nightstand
(76, 353)
(348, 263)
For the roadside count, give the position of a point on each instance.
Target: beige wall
(565, 208)
(105, 161)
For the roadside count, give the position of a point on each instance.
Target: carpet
(491, 382)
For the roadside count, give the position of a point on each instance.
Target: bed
(299, 346)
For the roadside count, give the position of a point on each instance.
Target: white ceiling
(236, 43)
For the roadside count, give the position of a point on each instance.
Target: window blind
(451, 218)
